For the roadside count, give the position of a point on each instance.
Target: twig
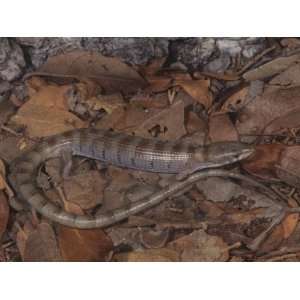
(256, 59)
(282, 257)
(254, 245)
(282, 252)
(237, 75)
(11, 131)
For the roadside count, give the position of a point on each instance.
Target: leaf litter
(234, 221)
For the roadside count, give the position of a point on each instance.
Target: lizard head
(225, 153)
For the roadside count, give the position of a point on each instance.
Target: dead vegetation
(216, 219)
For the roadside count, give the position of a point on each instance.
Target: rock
(229, 46)
(219, 65)
(12, 59)
(39, 49)
(131, 50)
(142, 50)
(193, 52)
(251, 50)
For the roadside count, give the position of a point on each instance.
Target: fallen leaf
(199, 246)
(275, 162)
(281, 232)
(83, 245)
(148, 255)
(292, 43)
(211, 209)
(285, 122)
(106, 102)
(288, 78)
(260, 112)
(42, 122)
(48, 95)
(225, 191)
(195, 124)
(73, 208)
(273, 241)
(271, 68)
(287, 167)
(41, 244)
(46, 113)
(2, 175)
(198, 90)
(4, 213)
(166, 124)
(245, 217)
(110, 72)
(235, 101)
(289, 224)
(262, 163)
(154, 238)
(153, 67)
(221, 129)
(145, 101)
(85, 190)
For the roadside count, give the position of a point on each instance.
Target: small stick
(254, 245)
(256, 59)
(282, 257)
(11, 131)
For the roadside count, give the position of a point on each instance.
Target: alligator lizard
(121, 150)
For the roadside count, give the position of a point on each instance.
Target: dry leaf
(260, 112)
(198, 90)
(245, 217)
(106, 102)
(285, 122)
(289, 224)
(275, 162)
(83, 245)
(110, 72)
(221, 129)
(287, 167)
(195, 124)
(85, 190)
(48, 95)
(41, 245)
(152, 68)
(262, 164)
(46, 113)
(271, 68)
(199, 246)
(41, 121)
(73, 208)
(4, 213)
(273, 241)
(149, 255)
(2, 175)
(292, 43)
(167, 124)
(288, 78)
(282, 231)
(236, 101)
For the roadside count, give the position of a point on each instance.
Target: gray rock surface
(12, 59)
(210, 54)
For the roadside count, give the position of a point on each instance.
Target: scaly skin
(124, 151)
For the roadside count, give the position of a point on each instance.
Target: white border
(149, 281)
(149, 18)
